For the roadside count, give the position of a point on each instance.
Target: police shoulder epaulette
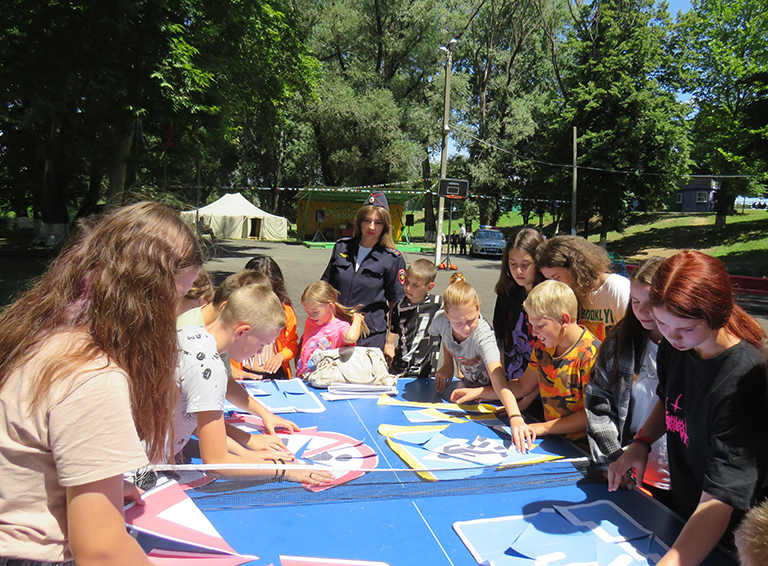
(394, 251)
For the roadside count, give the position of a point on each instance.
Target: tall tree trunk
(51, 213)
(325, 156)
(278, 172)
(723, 205)
(90, 203)
(118, 166)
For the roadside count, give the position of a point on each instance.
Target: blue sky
(676, 6)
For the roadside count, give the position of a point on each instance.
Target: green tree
(82, 79)
(727, 62)
(505, 56)
(374, 119)
(632, 143)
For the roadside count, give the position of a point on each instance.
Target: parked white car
(487, 241)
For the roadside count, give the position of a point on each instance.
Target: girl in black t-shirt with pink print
(713, 396)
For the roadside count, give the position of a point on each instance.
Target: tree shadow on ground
(691, 237)
(752, 263)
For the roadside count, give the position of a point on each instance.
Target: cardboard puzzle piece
(423, 447)
(598, 533)
(171, 528)
(347, 457)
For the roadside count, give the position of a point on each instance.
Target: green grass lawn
(742, 245)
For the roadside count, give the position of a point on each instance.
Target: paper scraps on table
(309, 561)
(346, 458)
(342, 391)
(481, 408)
(426, 448)
(432, 416)
(587, 534)
(282, 396)
(171, 529)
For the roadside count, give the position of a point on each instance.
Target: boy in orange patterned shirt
(560, 365)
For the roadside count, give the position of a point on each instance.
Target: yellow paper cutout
(481, 408)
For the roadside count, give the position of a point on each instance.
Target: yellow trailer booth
(325, 215)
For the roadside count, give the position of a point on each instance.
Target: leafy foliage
(727, 75)
(292, 94)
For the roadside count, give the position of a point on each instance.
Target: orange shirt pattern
(563, 380)
(287, 342)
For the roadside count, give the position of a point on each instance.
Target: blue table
(410, 522)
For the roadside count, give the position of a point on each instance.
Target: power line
(599, 169)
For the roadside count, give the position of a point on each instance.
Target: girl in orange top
(274, 360)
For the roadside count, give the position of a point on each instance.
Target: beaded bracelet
(644, 440)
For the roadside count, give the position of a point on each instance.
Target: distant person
(368, 270)
(86, 375)
(622, 389)
(713, 394)
(462, 239)
(559, 369)
(585, 268)
(412, 350)
(329, 324)
(454, 242)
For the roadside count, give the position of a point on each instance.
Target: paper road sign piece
(481, 408)
(345, 457)
(309, 561)
(171, 526)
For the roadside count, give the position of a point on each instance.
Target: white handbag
(351, 364)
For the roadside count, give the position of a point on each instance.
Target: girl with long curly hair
(87, 358)
(585, 267)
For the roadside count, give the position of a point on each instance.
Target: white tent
(234, 217)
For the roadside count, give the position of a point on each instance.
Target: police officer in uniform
(368, 270)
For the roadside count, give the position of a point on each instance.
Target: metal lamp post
(444, 154)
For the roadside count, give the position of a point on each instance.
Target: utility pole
(444, 154)
(573, 192)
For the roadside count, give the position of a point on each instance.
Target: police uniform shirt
(376, 282)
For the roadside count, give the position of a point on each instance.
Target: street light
(444, 154)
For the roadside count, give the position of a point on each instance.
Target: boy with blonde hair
(252, 317)
(559, 369)
(210, 311)
(416, 355)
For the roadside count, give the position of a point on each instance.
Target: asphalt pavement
(301, 266)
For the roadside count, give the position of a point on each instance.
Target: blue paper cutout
(285, 396)
(608, 518)
(550, 538)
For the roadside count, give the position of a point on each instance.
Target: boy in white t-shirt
(252, 317)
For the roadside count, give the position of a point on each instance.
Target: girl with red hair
(712, 403)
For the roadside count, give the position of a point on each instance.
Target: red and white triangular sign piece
(309, 561)
(168, 513)
(182, 558)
